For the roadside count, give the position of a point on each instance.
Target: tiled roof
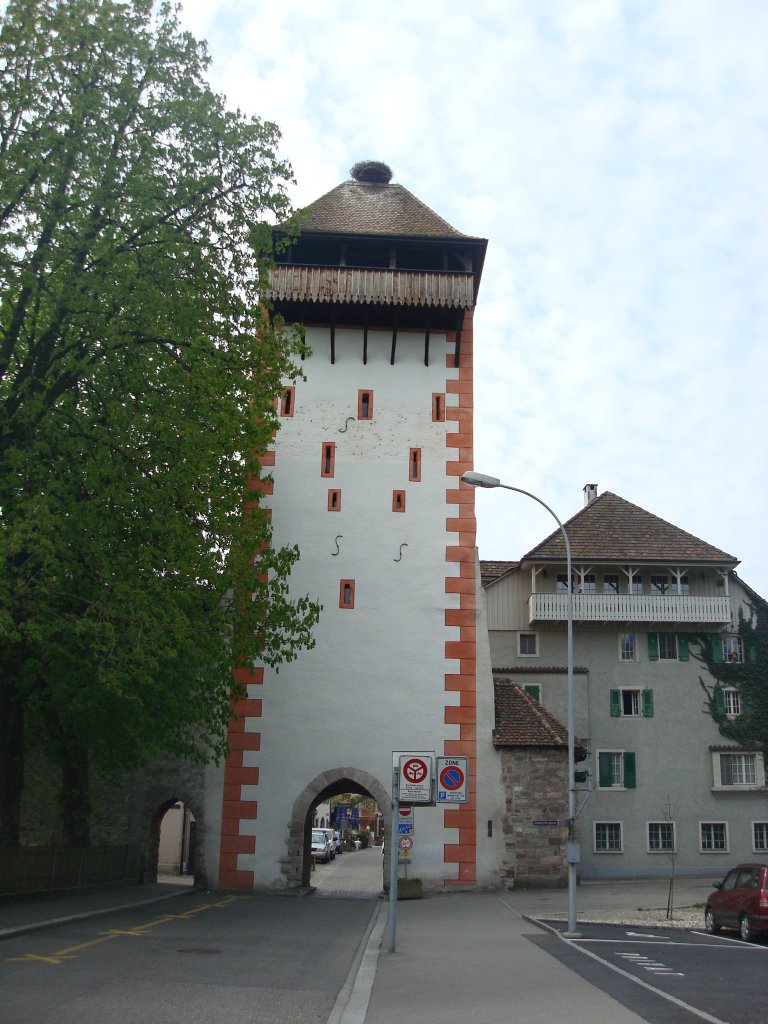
(542, 670)
(362, 208)
(491, 571)
(612, 529)
(521, 721)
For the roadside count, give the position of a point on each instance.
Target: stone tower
(366, 469)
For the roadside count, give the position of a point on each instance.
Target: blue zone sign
(452, 780)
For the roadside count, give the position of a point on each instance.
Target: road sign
(405, 820)
(452, 780)
(415, 777)
(406, 844)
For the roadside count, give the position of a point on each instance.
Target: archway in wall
(172, 843)
(327, 785)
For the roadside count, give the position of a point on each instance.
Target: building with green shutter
(660, 782)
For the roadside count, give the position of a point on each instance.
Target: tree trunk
(75, 797)
(11, 765)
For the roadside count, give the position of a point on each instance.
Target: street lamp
(481, 480)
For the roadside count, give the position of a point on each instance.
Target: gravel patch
(682, 917)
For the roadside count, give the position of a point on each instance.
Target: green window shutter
(746, 704)
(716, 648)
(653, 646)
(719, 698)
(682, 646)
(615, 704)
(604, 769)
(534, 690)
(630, 775)
(647, 703)
(751, 654)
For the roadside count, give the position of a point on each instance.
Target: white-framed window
(610, 583)
(733, 648)
(616, 769)
(667, 646)
(738, 769)
(681, 587)
(561, 583)
(636, 586)
(714, 836)
(528, 645)
(627, 647)
(608, 837)
(631, 703)
(661, 837)
(534, 689)
(760, 836)
(588, 583)
(659, 585)
(732, 702)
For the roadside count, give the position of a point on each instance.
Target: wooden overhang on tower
(371, 255)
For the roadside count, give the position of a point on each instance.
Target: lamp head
(480, 479)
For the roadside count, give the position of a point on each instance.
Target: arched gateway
(323, 787)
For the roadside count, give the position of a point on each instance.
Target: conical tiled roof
(612, 529)
(363, 208)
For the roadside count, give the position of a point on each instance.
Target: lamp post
(481, 480)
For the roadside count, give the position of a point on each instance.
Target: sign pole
(393, 858)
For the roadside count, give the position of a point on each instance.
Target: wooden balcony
(703, 610)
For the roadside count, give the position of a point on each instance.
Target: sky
(615, 156)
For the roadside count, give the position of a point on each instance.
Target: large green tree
(138, 372)
(748, 675)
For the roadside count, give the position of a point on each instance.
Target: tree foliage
(138, 372)
(749, 677)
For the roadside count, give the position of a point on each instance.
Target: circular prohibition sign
(405, 843)
(451, 778)
(415, 770)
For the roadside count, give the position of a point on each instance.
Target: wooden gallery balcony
(630, 608)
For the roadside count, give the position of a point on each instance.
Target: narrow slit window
(438, 407)
(398, 501)
(365, 405)
(334, 500)
(346, 594)
(414, 464)
(329, 458)
(287, 402)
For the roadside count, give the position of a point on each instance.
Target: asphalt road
(256, 959)
(671, 976)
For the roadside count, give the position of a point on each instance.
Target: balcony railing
(629, 608)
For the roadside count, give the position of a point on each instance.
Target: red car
(741, 901)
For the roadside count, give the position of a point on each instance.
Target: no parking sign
(452, 780)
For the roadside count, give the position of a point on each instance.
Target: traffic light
(581, 754)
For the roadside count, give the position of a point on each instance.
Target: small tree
(669, 813)
(138, 371)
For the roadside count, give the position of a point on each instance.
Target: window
(616, 769)
(661, 837)
(737, 770)
(610, 583)
(760, 836)
(365, 405)
(681, 587)
(588, 584)
(328, 459)
(528, 646)
(632, 703)
(438, 408)
(607, 837)
(334, 500)
(287, 401)
(562, 583)
(346, 593)
(733, 648)
(668, 646)
(414, 464)
(714, 837)
(659, 585)
(398, 501)
(627, 649)
(636, 585)
(534, 690)
(732, 702)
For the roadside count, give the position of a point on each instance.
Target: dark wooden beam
(333, 343)
(394, 346)
(457, 350)
(365, 344)
(426, 348)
